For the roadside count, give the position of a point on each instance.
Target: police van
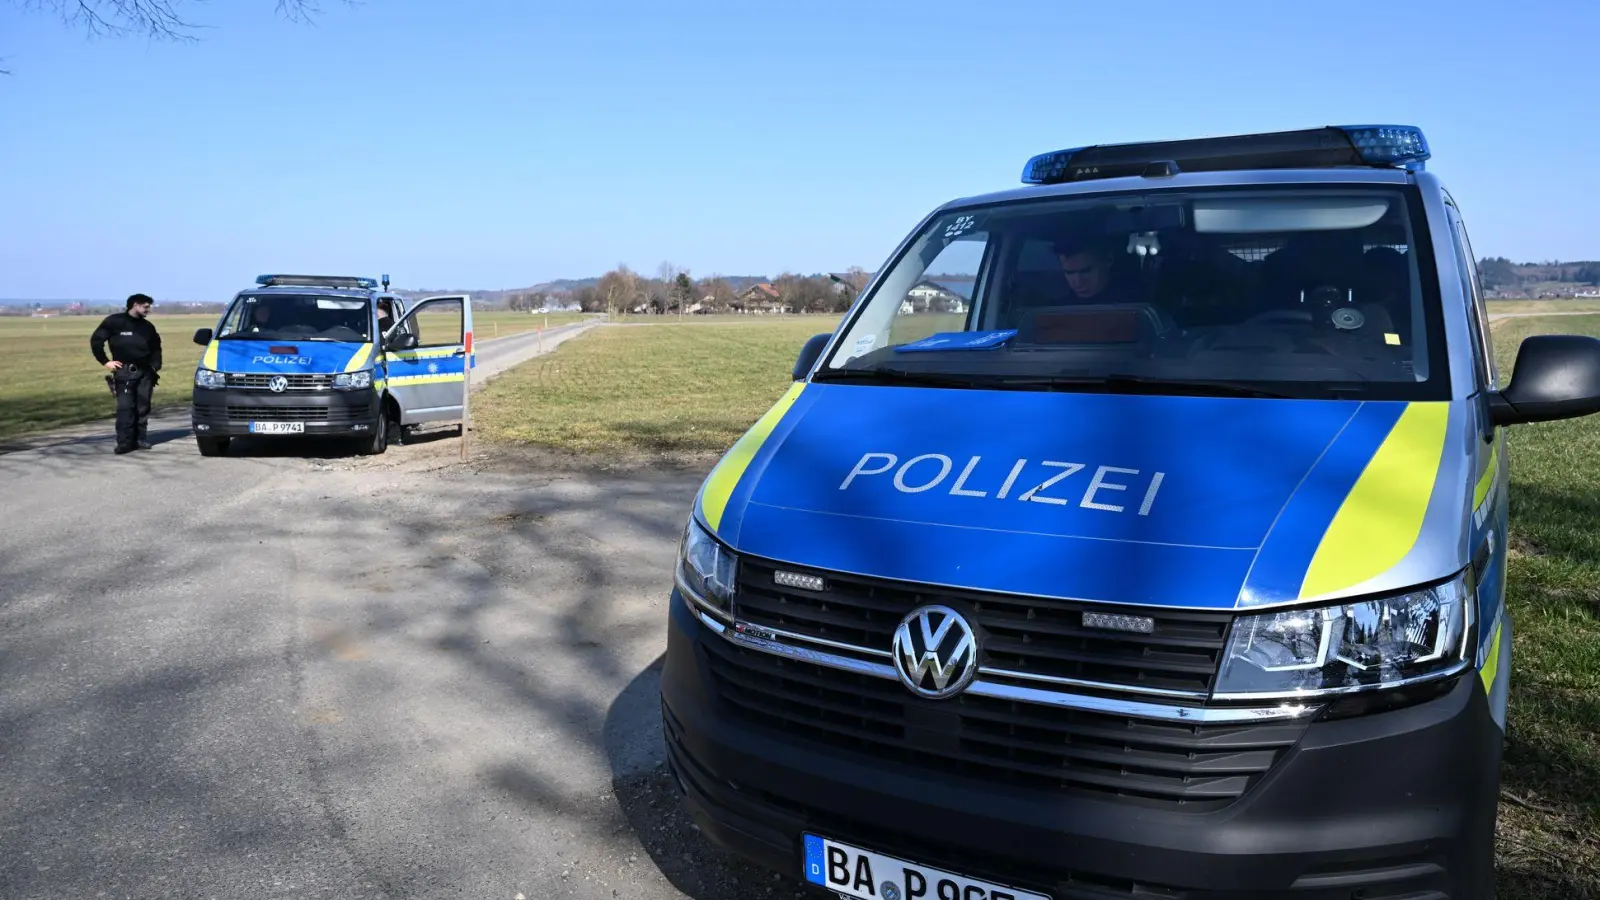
(314, 356)
(1141, 531)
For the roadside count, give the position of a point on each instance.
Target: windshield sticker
(959, 340)
(961, 225)
(864, 345)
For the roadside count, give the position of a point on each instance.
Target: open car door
(427, 353)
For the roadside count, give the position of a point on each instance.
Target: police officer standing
(135, 366)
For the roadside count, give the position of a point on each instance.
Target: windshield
(298, 317)
(1302, 292)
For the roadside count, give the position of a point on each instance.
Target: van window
(298, 317)
(1313, 291)
(1477, 312)
(441, 323)
(941, 299)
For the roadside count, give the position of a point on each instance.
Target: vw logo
(278, 384)
(935, 652)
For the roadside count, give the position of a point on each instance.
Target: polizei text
(1105, 488)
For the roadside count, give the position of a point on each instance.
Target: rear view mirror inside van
(1557, 376)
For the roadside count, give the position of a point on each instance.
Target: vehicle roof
(1232, 178)
(318, 290)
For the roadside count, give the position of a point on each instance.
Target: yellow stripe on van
(723, 479)
(1491, 664)
(209, 361)
(414, 380)
(1487, 479)
(359, 360)
(1381, 519)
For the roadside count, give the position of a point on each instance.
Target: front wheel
(211, 446)
(379, 441)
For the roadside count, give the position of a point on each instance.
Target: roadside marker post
(466, 388)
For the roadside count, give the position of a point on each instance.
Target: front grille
(259, 381)
(1026, 636)
(1024, 745)
(332, 415)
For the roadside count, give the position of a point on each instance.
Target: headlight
(1350, 647)
(706, 569)
(208, 379)
(361, 379)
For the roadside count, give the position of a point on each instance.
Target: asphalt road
(289, 673)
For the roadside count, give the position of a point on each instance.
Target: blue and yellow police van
(330, 356)
(1140, 532)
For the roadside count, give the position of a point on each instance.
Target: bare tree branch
(158, 19)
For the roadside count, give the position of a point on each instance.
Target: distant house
(927, 296)
(760, 299)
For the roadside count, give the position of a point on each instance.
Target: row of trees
(673, 291)
(1500, 272)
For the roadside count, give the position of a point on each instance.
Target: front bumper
(230, 412)
(1389, 804)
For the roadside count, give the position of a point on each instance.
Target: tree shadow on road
(648, 798)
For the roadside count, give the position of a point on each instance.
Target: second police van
(1140, 532)
(309, 355)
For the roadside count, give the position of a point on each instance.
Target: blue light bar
(1343, 145)
(1389, 145)
(1049, 168)
(345, 281)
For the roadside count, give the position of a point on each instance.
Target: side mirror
(202, 336)
(405, 340)
(809, 354)
(1557, 376)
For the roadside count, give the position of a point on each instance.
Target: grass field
(658, 388)
(487, 325)
(1544, 306)
(48, 377)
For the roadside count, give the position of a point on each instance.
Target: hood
(1199, 502)
(286, 357)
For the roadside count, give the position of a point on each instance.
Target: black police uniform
(136, 344)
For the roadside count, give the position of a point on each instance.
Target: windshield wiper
(1148, 384)
(1117, 381)
(890, 375)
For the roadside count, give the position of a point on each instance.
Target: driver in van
(1088, 269)
(260, 318)
(385, 315)
(1089, 276)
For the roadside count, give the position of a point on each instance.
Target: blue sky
(498, 143)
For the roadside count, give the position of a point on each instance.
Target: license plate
(854, 872)
(277, 427)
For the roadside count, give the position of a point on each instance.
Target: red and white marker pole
(466, 389)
